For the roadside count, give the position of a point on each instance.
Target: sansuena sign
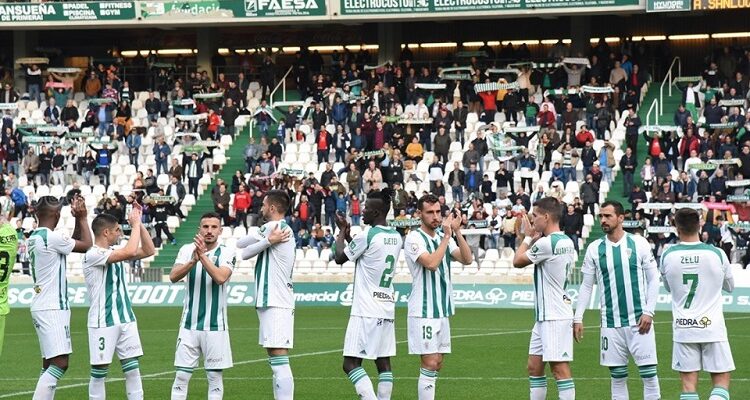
(67, 11)
(341, 294)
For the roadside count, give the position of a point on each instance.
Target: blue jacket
(340, 112)
(133, 141)
(161, 150)
(527, 162)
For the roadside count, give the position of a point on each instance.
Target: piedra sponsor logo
(489, 297)
(693, 323)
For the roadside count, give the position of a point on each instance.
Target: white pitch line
(316, 353)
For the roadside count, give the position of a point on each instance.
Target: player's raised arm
(277, 235)
(463, 253)
(651, 271)
(584, 293)
(521, 259)
(184, 263)
(131, 248)
(81, 233)
(342, 238)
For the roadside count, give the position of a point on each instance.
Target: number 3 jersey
(696, 273)
(375, 252)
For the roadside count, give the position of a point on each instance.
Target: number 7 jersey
(696, 273)
(375, 252)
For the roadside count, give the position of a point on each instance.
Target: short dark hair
(384, 197)
(279, 198)
(102, 222)
(619, 209)
(211, 215)
(687, 221)
(552, 207)
(428, 198)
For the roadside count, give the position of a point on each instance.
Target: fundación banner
(353, 7)
(232, 8)
(341, 294)
(67, 11)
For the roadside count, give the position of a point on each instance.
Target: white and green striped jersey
(696, 273)
(205, 303)
(431, 291)
(620, 269)
(47, 255)
(375, 251)
(553, 256)
(273, 270)
(108, 293)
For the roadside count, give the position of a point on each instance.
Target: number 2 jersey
(431, 291)
(48, 252)
(696, 273)
(8, 250)
(375, 252)
(553, 256)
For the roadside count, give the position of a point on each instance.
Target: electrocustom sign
(353, 7)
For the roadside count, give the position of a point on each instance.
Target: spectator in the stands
(194, 173)
(221, 203)
(572, 222)
(161, 153)
(45, 166)
(177, 190)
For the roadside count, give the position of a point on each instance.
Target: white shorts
(214, 346)
(123, 339)
(276, 327)
(713, 357)
(53, 329)
(370, 338)
(616, 344)
(429, 335)
(553, 340)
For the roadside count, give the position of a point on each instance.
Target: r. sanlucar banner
(232, 8)
(352, 7)
(67, 11)
(341, 294)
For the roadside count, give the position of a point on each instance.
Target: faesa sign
(232, 8)
(352, 7)
(341, 294)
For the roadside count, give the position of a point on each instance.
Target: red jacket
(213, 122)
(584, 136)
(545, 119)
(488, 100)
(242, 201)
(689, 144)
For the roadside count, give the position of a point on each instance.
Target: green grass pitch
(488, 360)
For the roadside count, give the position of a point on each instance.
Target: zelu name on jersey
(690, 260)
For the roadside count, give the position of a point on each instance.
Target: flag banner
(191, 117)
(8, 106)
(455, 77)
(356, 82)
(518, 129)
(703, 166)
(661, 229)
(501, 71)
(739, 183)
(101, 100)
(381, 65)
(632, 224)
(430, 86)
(64, 70)
(494, 86)
(577, 61)
(204, 96)
(405, 223)
(597, 89)
(726, 161)
(32, 60)
(743, 198)
(732, 103)
(427, 121)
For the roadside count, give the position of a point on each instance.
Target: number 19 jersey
(431, 291)
(375, 251)
(8, 250)
(695, 273)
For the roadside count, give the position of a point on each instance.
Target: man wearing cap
(50, 311)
